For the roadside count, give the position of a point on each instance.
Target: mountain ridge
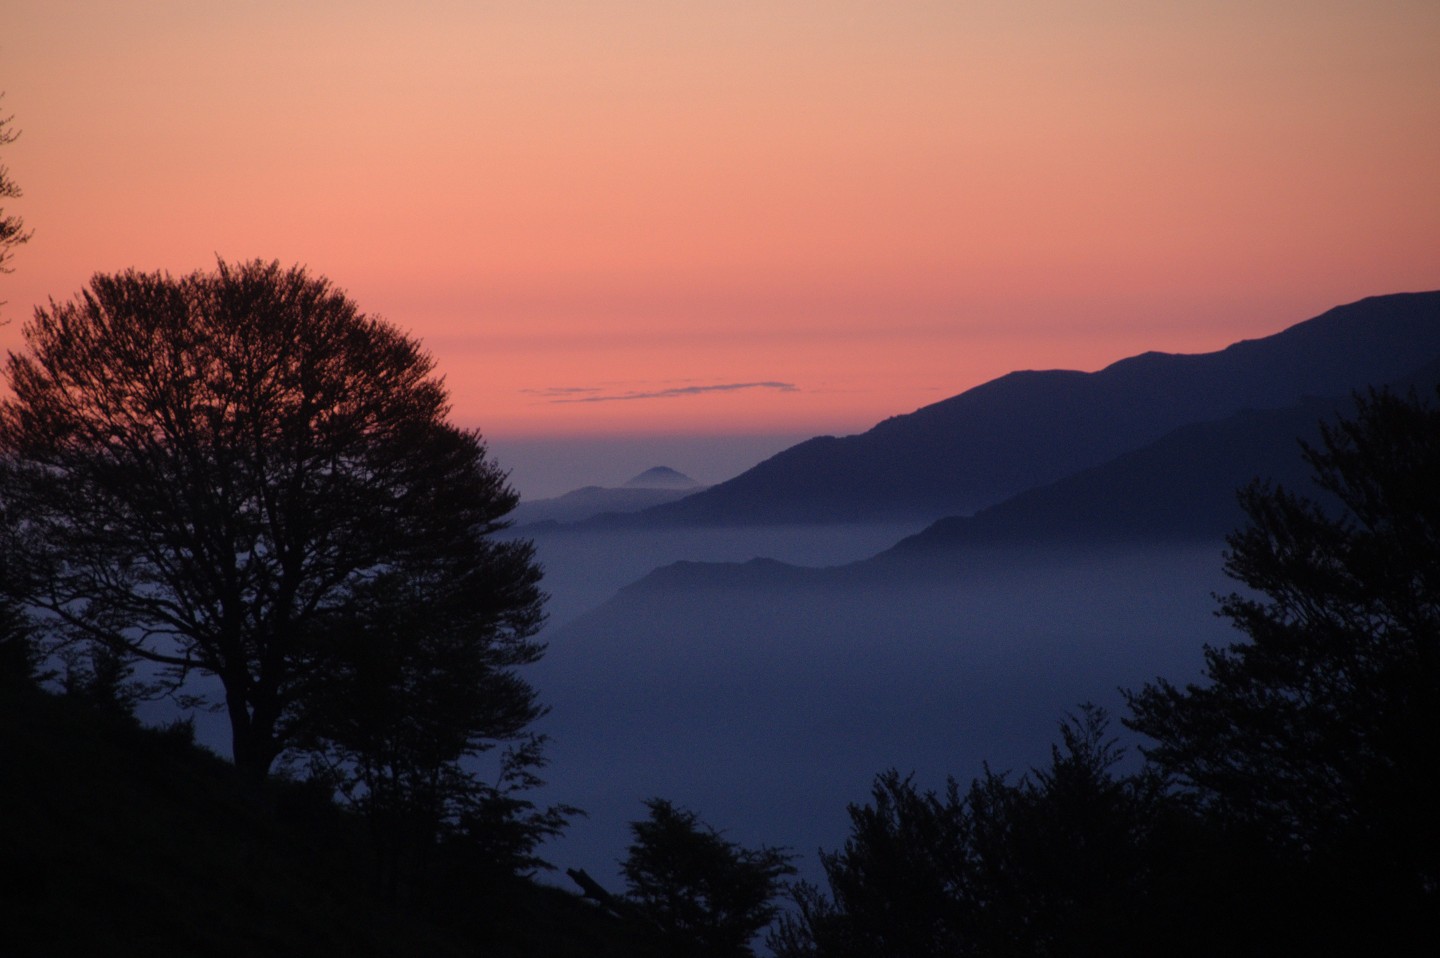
(1030, 427)
(654, 486)
(1179, 489)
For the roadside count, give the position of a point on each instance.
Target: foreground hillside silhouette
(124, 841)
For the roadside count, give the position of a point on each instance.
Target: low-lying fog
(584, 566)
(767, 709)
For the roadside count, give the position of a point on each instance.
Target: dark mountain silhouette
(1178, 489)
(1182, 487)
(653, 487)
(1030, 428)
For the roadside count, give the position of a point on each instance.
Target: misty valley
(869, 676)
(768, 704)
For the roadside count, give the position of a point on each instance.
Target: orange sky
(837, 211)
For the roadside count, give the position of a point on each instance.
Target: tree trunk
(252, 742)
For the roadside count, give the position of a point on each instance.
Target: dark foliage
(413, 698)
(213, 472)
(707, 896)
(18, 656)
(1318, 739)
(1057, 863)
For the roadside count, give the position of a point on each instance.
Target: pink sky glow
(645, 217)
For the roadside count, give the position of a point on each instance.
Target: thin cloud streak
(577, 394)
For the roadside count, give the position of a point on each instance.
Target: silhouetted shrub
(705, 895)
(1056, 863)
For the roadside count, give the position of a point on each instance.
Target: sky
(740, 220)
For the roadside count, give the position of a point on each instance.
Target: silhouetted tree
(706, 895)
(1320, 735)
(12, 228)
(414, 697)
(18, 657)
(894, 887)
(1058, 863)
(215, 471)
(101, 678)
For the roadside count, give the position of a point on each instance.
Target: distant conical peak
(662, 477)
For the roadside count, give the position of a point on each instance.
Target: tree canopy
(1321, 731)
(219, 473)
(1055, 863)
(705, 894)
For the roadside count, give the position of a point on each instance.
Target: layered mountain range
(1071, 527)
(654, 486)
(1178, 487)
(1027, 429)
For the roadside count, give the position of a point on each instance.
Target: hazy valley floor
(766, 708)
